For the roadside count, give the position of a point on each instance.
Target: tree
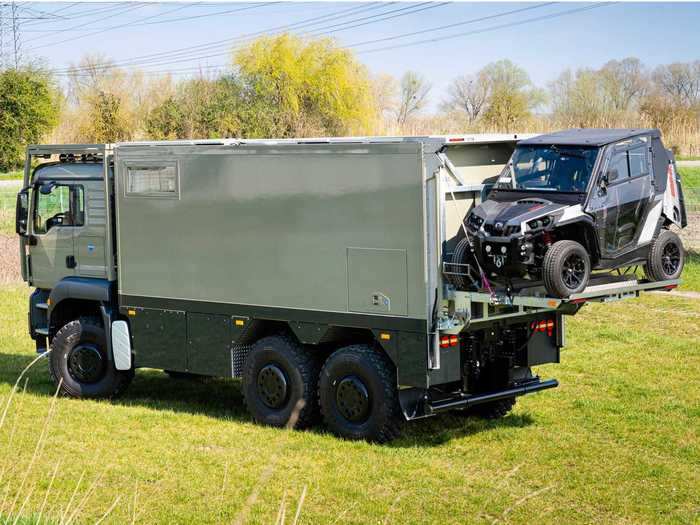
(414, 93)
(577, 99)
(507, 109)
(468, 95)
(28, 110)
(165, 121)
(680, 82)
(303, 87)
(623, 83)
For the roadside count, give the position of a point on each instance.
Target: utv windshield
(548, 168)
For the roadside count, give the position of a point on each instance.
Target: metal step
(42, 306)
(42, 331)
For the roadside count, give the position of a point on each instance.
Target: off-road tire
(378, 374)
(85, 331)
(553, 268)
(494, 409)
(299, 408)
(654, 268)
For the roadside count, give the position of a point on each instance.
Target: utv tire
(279, 383)
(666, 257)
(566, 269)
(79, 361)
(358, 394)
(458, 258)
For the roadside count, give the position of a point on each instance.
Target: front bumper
(508, 256)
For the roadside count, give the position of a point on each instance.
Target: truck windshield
(548, 168)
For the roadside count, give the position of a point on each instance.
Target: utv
(575, 201)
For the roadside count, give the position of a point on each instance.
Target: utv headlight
(537, 224)
(474, 221)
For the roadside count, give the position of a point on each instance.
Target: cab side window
(62, 206)
(618, 168)
(638, 161)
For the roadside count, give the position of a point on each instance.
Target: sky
(61, 32)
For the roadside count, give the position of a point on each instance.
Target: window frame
(150, 164)
(72, 187)
(625, 147)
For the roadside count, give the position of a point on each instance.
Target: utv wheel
(666, 257)
(279, 383)
(566, 269)
(358, 394)
(79, 361)
(458, 258)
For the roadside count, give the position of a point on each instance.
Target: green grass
(12, 175)
(618, 442)
(687, 157)
(690, 177)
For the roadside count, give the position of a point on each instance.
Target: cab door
(622, 197)
(55, 215)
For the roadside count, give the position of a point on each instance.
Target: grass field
(618, 442)
(11, 175)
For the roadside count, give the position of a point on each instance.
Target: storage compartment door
(160, 338)
(377, 281)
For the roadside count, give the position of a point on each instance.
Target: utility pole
(16, 39)
(10, 35)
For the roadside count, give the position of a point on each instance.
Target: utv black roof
(588, 136)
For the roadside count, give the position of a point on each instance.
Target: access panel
(160, 338)
(209, 344)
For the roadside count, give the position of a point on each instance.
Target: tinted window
(618, 168)
(638, 161)
(552, 168)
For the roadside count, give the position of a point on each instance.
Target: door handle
(70, 261)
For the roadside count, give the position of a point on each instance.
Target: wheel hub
(574, 271)
(670, 259)
(86, 364)
(352, 399)
(272, 386)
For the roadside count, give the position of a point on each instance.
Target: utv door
(622, 196)
(56, 214)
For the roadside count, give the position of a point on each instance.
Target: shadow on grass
(222, 399)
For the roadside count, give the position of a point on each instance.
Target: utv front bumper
(507, 256)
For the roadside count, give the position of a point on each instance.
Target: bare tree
(414, 93)
(623, 83)
(468, 94)
(680, 81)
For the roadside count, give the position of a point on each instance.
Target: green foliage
(304, 87)
(108, 122)
(28, 110)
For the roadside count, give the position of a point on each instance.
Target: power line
(188, 54)
(226, 42)
(488, 29)
(446, 37)
(112, 28)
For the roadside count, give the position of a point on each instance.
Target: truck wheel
(566, 269)
(358, 394)
(666, 257)
(80, 362)
(279, 383)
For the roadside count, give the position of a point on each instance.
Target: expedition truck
(320, 271)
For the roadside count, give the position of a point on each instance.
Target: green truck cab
(316, 271)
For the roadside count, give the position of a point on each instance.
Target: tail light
(447, 341)
(543, 326)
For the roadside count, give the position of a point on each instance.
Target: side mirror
(22, 212)
(47, 187)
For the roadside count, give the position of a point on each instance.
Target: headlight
(537, 224)
(474, 221)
